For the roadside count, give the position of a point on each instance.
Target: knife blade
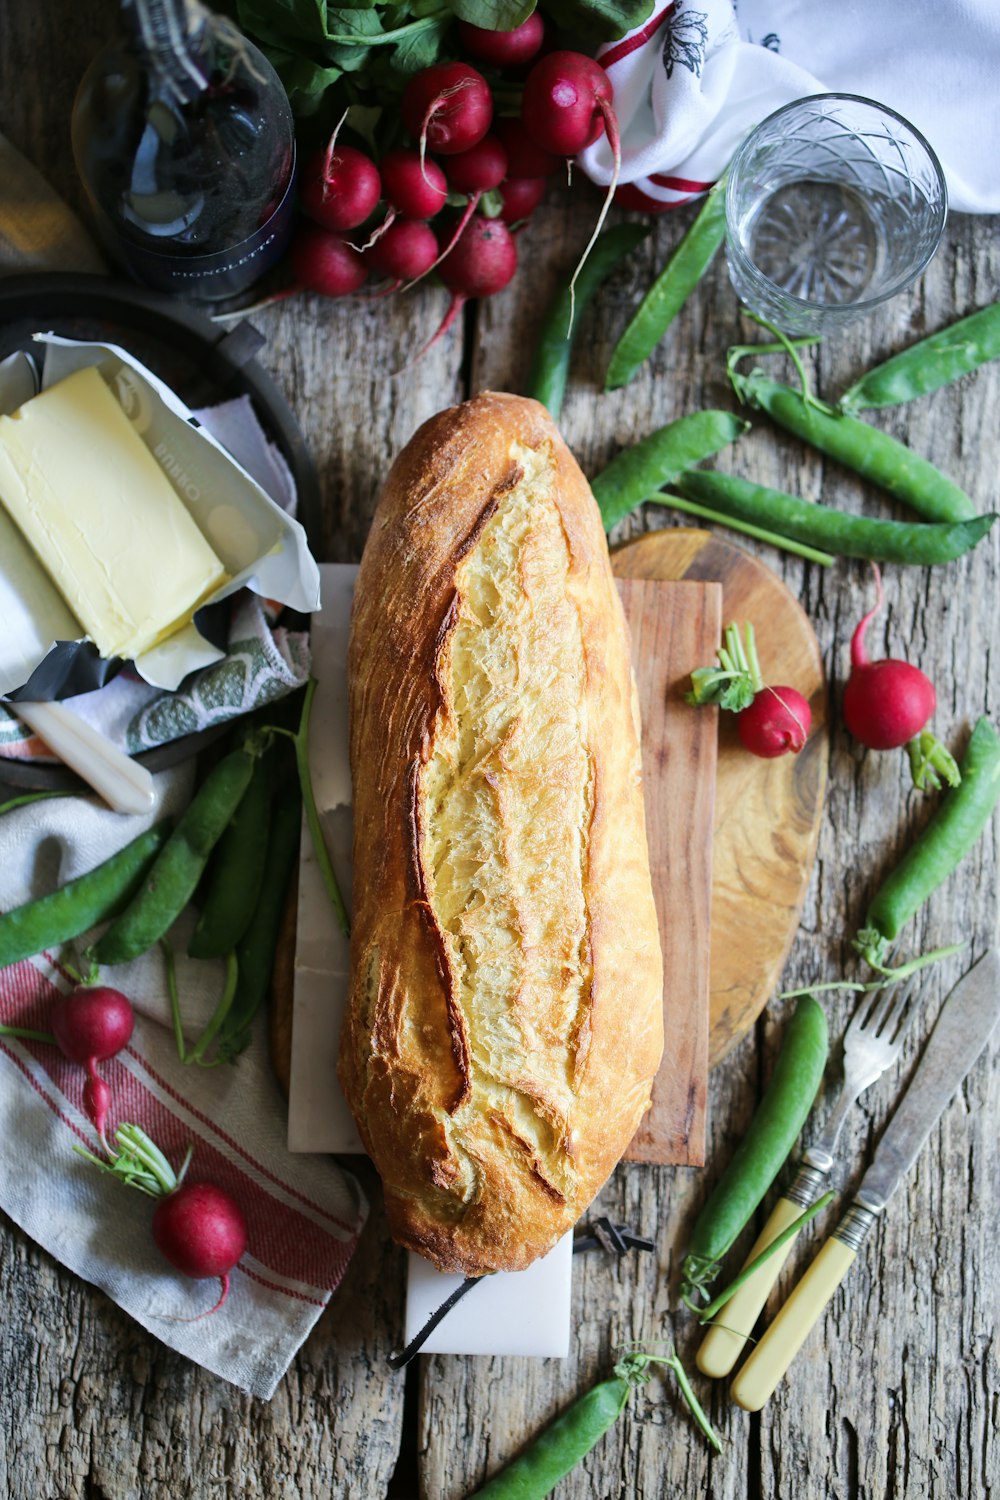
(965, 1024)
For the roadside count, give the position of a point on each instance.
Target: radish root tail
(467, 213)
(614, 140)
(329, 158)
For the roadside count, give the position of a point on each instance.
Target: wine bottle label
(224, 273)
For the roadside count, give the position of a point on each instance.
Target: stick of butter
(102, 518)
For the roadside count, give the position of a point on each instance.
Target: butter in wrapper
(102, 518)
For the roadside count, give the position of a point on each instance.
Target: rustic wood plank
(673, 626)
(893, 1397)
(896, 1398)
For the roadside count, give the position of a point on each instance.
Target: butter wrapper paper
(42, 654)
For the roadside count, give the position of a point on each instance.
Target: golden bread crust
(505, 1020)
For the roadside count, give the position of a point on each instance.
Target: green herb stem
(201, 1046)
(784, 543)
(25, 1034)
(300, 739)
(706, 1314)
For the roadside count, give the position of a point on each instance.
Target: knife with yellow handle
(964, 1026)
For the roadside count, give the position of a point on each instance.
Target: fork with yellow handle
(871, 1043)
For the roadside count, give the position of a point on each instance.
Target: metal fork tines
(871, 1043)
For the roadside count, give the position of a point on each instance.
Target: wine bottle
(183, 137)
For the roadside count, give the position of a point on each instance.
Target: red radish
(770, 721)
(480, 262)
(449, 108)
(567, 105)
(886, 703)
(777, 722)
(504, 49)
(340, 187)
(521, 196)
(325, 263)
(480, 169)
(476, 171)
(406, 250)
(91, 1025)
(202, 1232)
(196, 1225)
(416, 190)
(525, 158)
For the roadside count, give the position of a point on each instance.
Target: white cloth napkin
(692, 81)
(303, 1213)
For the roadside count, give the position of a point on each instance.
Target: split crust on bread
(505, 1018)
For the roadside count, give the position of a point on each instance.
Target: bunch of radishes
(197, 1226)
(374, 219)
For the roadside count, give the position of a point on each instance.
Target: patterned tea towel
(303, 1213)
(699, 74)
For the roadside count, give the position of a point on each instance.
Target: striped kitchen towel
(698, 74)
(303, 1213)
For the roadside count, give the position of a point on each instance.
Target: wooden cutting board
(767, 812)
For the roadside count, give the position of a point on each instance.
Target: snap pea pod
(171, 882)
(873, 454)
(916, 543)
(547, 381)
(573, 1434)
(255, 953)
(928, 365)
(765, 1146)
(80, 904)
(670, 290)
(962, 815)
(658, 459)
(236, 871)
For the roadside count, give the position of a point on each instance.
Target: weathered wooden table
(896, 1395)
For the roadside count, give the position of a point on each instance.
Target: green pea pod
(557, 1450)
(873, 454)
(80, 904)
(547, 381)
(171, 882)
(916, 543)
(962, 815)
(236, 871)
(928, 365)
(765, 1145)
(670, 290)
(636, 472)
(255, 954)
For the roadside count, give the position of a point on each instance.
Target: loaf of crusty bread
(505, 1018)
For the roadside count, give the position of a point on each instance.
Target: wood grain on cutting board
(675, 627)
(767, 812)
